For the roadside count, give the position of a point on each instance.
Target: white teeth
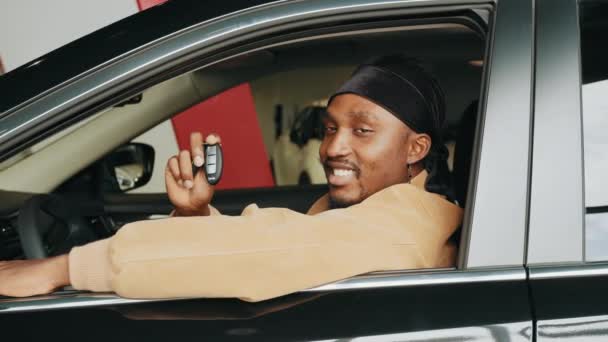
(342, 172)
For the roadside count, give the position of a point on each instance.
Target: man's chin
(337, 202)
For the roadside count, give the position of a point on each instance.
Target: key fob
(214, 163)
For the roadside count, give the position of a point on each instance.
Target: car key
(214, 163)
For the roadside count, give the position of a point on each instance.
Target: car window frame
(600, 210)
(480, 262)
(505, 111)
(564, 288)
(556, 223)
(128, 75)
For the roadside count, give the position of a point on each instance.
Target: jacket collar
(420, 180)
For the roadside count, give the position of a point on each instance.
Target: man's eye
(363, 131)
(330, 129)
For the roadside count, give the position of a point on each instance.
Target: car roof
(93, 50)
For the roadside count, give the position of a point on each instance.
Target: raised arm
(190, 194)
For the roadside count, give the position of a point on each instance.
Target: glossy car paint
(568, 296)
(557, 119)
(379, 280)
(499, 206)
(451, 310)
(570, 302)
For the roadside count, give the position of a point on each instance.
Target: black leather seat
(463, 151)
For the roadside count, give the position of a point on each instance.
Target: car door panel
(570, 302)
(480, 306)
(568, 295)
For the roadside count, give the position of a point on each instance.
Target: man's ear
(420, 145)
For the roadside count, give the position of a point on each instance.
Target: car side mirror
(131, 165)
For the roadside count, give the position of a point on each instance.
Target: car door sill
(69, 298)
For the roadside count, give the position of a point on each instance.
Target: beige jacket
(265, 253)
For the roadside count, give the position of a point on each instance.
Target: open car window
(270, 121)
(285, 85)
(266, 104)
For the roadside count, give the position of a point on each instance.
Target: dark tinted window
(594, 54)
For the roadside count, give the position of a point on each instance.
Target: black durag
(404, 88)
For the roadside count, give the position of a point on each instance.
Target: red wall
(232, 115)
(145, 4)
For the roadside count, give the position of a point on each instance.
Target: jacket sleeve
(261, 254)
(212, 212)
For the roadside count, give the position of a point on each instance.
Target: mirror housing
(130, 166)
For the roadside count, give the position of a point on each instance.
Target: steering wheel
(51, 225)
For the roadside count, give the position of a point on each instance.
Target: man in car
(388, 208)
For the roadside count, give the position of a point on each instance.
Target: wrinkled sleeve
(261, 254)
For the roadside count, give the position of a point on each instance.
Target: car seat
(295, 156)
(465, 137)
(307, 125)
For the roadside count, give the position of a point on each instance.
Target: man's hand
(190, 194)
(24, 278)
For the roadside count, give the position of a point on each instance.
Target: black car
(532, 263)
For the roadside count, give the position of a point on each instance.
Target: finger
(213, 138)
(200, 182)
(172, 175)
(185, 168)
(171, 183)
(196, 146)
(173, 168)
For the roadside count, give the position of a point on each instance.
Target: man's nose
(338, 145)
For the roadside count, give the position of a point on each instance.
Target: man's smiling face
(364, 150)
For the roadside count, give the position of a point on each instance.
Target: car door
(485, 298)
(566, 244)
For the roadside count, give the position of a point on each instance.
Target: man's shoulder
(411, 196)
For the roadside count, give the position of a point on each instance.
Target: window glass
(266, 107)
(594, 55)
(270, 121)
(273, 131)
